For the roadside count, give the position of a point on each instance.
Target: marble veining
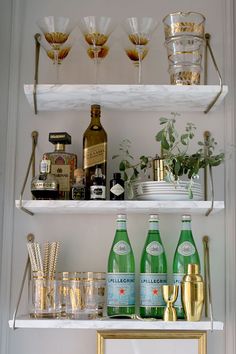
(25, 322)
(125, 97)
(113, 207)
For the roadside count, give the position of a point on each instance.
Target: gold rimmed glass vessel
(56, 31)
(139, 31)
(96, 32)
(183, 23)
(57, 57)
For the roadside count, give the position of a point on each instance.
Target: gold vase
(192, 292)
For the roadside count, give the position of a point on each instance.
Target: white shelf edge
(112, 207)
(125, 97)
(111, 324)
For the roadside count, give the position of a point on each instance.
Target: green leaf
(177, 167)
(184, 138)
(159, 135)
(164, 143)
(163, 120)
(122, 166)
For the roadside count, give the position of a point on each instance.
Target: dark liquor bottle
(98, 187)
(63, 163)
(94, 148)
(117, 190)
(78, 188)
(121, 273)
(45, 185)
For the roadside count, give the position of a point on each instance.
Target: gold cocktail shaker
(192, 292)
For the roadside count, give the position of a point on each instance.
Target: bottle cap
(117, 175)
(62, 138)
(78, 172)
(45, 166)
(95, 109)
(186, 217)
(121, 217)
(153, 217)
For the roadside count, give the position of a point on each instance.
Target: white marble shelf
(125, 97)
(111, 324)
(113, 207)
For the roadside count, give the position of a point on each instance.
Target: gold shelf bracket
(29, 238)
(37, 37)
(34, 136)
(208, 48)
(207, 279)
(207, 136)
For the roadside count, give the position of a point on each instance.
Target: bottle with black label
(94, 148)
(117, 190)
(63, 163)
(45, 185)
(78, 188)
(98, 185)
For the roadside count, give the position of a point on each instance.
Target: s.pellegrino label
(120, 289)
(121, 248)
(154, 248)
(150, 289)
(186, 249)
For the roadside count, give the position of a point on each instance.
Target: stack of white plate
(153, 190)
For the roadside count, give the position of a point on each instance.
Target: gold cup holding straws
(45, 297)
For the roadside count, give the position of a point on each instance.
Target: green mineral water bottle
(153, 272)
(185, 253)
(121, 273)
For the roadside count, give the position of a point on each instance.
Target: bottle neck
(95, 120)
(59, 147)
(79, 180)
(120, 225)
(153, 225)
(186, 225)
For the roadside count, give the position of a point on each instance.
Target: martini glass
(139, 31)
(56, 31)
(61, 53)
(135, 56)
(96, 31)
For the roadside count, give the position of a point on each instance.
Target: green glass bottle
(153, 272)
(185, 253)
(121, 274)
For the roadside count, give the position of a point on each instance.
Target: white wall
(5, 40)
(85, 240)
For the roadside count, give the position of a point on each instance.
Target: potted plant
(174, 147)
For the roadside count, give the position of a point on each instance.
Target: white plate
(166, 197)
(167, 193)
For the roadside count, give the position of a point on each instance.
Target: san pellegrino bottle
(94, 148)
(121, 273)
(185, 253)
(153, 272)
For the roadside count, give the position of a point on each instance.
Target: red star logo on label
(155, 291)
(122, 291)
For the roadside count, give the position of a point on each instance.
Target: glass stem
(56, 52)
(96, 61)
(139, 49)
